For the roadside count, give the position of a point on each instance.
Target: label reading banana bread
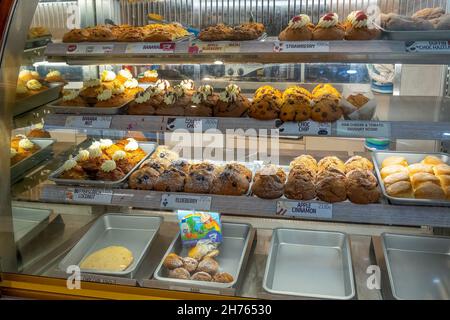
(95, 122)
(149, 48)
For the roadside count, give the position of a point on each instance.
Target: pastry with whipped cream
(91, 89)
(122, 161)
(39, 132)
(175, 100)
(142, 103)
(92, 161)
(109, 171)
(299, 29)
(357, 27)
(21, 90)
(149, 76)
(132, 88)
(73, 171)
(54, 76)
(34, 86)
(111, 99)
(203, 102)
(131, 147)
(72, 98)
(231, 103)
(124, 75)
(329, 28)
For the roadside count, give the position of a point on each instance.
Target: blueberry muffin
(171, 180)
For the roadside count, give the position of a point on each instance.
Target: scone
(357, 28)
(442, 169)
(331, 186)
(298, 29)
(401, 189)
(330, 162)
(358, 162)
(164, 155)
(265, 107)
(394, 160)
(171, 180)
(300, 185)
(231, 103)
(329, 28)
(326, 110)
(362, 187)
(269, 182)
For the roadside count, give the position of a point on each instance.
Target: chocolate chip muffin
(265, 107)
(326, 110)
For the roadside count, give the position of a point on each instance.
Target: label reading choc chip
(306, 128)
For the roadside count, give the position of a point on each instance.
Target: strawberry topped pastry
(329, 28)
(300, 28)
(357, 27)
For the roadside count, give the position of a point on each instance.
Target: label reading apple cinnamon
(305, 209)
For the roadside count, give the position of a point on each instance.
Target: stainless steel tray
(307, 263)
(57, 108)
(38, 42)
(418, 266)
(411, 157)
(135, 232)
(425, 35)
(28, 223)
(36, 100)
(20, 169)
(148, 147)
(233, 249)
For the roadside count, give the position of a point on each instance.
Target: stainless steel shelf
(382, 213)
(375, 51)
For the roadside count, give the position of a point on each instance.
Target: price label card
(191, 124)
(428, 46)
(188, 202)
(304, 209)
(89, 48)
(301, 46)
(366, 129)
(95, 122)
(307, 128)
(87, 195)
(214, 47)
(149, 48)
(195, 290)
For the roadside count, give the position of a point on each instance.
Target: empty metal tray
(233, 249)
(56, 107)
(418, 266)
(411, 157)
(39, 99)
(28, 223)
(148, 147)
(134, 232)
(20, 169)
(307, 263)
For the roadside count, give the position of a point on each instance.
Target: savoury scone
(231, 103)
(265, 107)
(358, 162)
(268, 182)
(326, 110)
(171, 180)
(300, 185)
(330, 162)
(362, 187)
(231, 182)
(331, 186)
(299, 29)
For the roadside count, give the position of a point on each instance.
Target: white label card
(307, 128)
(89, 48)
(301, 46)
(195, 290)
(87, 195)
(305, 209)
(95, 122)
(428, 46)
(187, 202)
(157, 47)
(214, 47)
(191, 124)
(367, 129)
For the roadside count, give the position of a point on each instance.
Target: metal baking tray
(148, 147)
(411, 157)
(20, 169)
(57, 108)
(134, 232)
(38, 42)
(418, 266)
(28, 223)
(233, 249)
(307, 263)
(39, 99)
(425, 35)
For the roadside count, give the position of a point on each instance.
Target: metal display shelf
(381, 213)
(374, 51)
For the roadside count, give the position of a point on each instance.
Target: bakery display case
(317, 130)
